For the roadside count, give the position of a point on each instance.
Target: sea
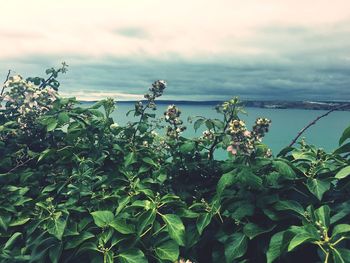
(286, 123)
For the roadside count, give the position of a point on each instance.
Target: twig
(19, 165)
(216, 140)
(44, 84)
(7, 78)
(314, 122)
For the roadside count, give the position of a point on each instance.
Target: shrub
(77, 186)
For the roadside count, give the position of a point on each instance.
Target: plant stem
(314, 122)
(7, 78)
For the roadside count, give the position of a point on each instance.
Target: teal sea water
(286, 123)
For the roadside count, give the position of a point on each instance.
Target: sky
(204, 49)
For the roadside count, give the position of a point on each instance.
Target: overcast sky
(205, 49)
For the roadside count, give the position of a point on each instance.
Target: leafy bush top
(76, 186)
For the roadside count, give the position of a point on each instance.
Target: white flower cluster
(26, 101)
(243, 141)
(172, 116)
(208, 134)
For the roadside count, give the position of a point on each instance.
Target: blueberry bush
(76, 186)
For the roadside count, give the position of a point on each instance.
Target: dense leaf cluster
(77, 187)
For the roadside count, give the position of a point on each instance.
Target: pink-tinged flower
(247, 133)
(232, 150)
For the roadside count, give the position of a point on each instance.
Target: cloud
(205, 49)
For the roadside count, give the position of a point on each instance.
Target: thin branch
(19, 165)
(314, 122)
(216, 140)
(7, 78)
(44, 84)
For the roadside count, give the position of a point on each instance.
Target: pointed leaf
(12, 240)
(235, 246)
(168, 251)
(102, 218)
(57, 226)
(278, 245)
(343, 149)
(299, 239)
(290, 205)
(121, 226)
(343, 173)
(252, 230)
(323, 215)
(77, 240)
(203, 221)
(340, 229)
(132, 256)
(175, 228)
(345, 136)
(317, 187)
(284, 169)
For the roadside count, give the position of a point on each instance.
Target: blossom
(114, 126)
(232, 150)
(247, 133)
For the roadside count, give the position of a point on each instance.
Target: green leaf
(56, 226)
(168, 250)
(11, 241)
(78, 240)
(343, 173)
(132, 256)
(197, 124)
(290, 205)
(235, 246)
(337, 257)
(345, 135)
(318, 187)
(142, 127)
(19, 221)
(218, 123)
(340, 229)
(344, 210)
(322, 214)
(242, 209)
(226, 180)
(203, 221)
(44, 154)
(96, 113)
(209, 124)
(129, 159)
(108, 257)
(343, 149)
(63, 117)
(284, 169)
(252, 230)
(102, 218)
(345, 254)
(187, 147)
(51, 124)
(175, 228)
(146, 219)
(122, 227)
(247, 177)
(55, 252)
(278, 245)
(149, 161)
(300, 239)
(4, 222)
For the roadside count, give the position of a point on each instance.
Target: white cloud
(188, 29)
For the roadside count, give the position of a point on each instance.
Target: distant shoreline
(268, 104)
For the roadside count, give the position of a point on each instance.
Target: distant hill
(270, 104)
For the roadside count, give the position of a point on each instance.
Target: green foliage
(76, 186)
